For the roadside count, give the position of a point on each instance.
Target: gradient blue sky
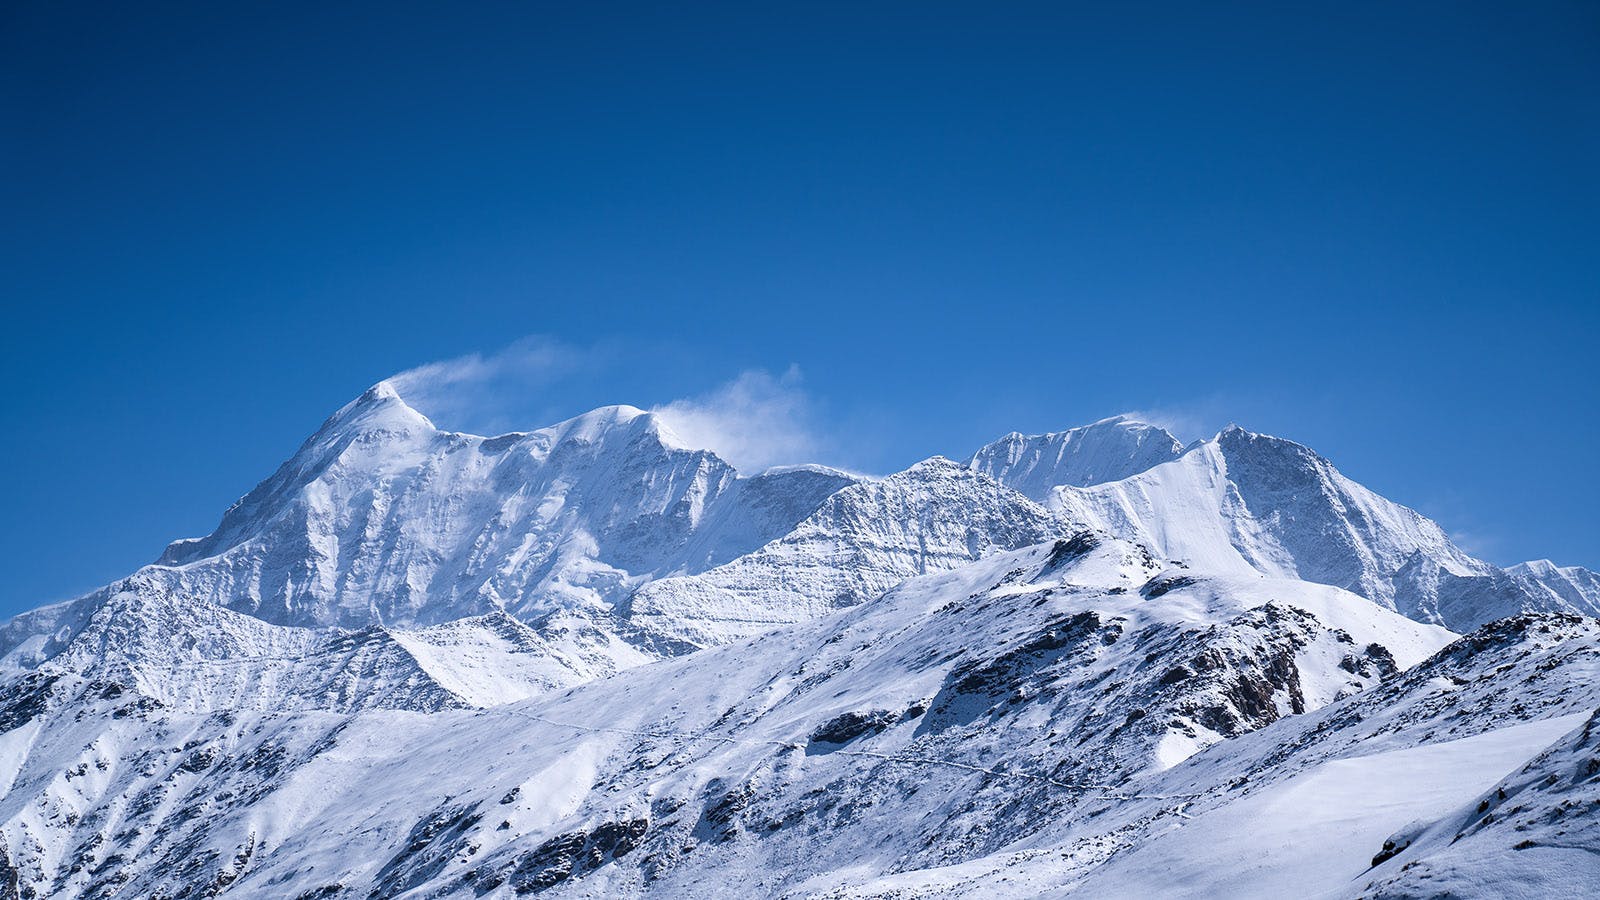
(1370, 227)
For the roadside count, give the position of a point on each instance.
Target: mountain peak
(596, 422)
(379, 407)
(1536, 567)
(933, 465)
(1237, 438)
(1108, 450)
(383, 390)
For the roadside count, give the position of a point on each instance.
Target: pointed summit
(379, 405)
(382, 518)
(1108, 450)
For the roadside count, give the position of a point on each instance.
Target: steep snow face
(1535, 833)
(1248, 502)
(936, 516)
(960, 713)
(494, 659)
(1578, 588)
(380, 517)
(1317, 805)
(199, 658)
(1108, 450)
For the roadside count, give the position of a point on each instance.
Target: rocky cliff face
(862, 541)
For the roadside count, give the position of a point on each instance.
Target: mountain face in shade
(588, 660)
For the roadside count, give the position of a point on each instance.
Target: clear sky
(884, 231)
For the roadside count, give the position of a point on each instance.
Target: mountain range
(591, 660)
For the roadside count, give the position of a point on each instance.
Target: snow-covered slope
(1317, 805)
(957, 714)
(1107, 450)
(1245, 502)
(589, 661)
(865, 539)
(203, 658)
(1534, 834)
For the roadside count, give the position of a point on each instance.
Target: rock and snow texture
(756, 764)
(382, 518)
(1109, 450)
(590, 661)
(1245, 502)
(865, 539)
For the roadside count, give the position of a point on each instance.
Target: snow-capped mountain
(862, 541)
(720, 759)
(1244, 502)
(1108, 450)
(383, 518)
(589, 660)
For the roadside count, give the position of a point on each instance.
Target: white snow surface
(382, 518)
(1107, 450)
(1248, 502)
(589, 660)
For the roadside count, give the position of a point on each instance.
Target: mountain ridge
(586, 659)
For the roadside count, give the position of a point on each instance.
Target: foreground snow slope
(1545, 812)
(1310, 805)
(1316, 833)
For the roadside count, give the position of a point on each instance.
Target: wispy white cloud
(1186, 426)
(476, 390)
(754, 421)
(1199, 417)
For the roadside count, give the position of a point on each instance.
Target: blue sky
(890, 230)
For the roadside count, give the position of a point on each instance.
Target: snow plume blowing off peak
(468, 392)
(755, 421)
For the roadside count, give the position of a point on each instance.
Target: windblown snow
(589, 660)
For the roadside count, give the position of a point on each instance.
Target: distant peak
(1238, 436)
(1119, 422)
(1105, 450)
(383, 390)
(935, 465)
(614, 414)
(618, 424)
(378, 407)
(814, 469)
(1126, 420)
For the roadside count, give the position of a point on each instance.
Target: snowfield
(588, 661)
